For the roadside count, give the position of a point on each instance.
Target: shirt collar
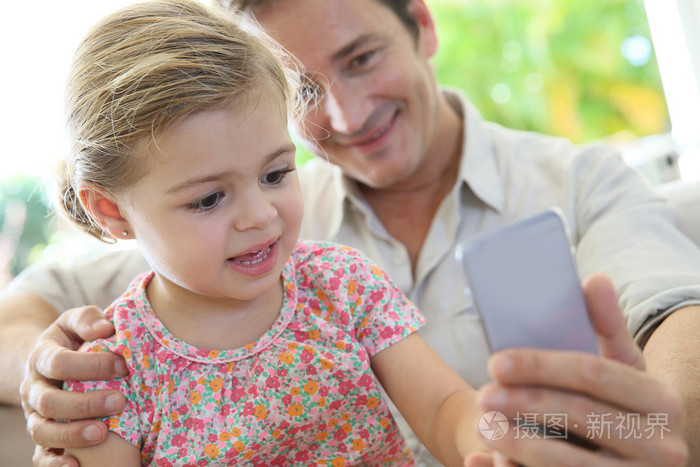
(479, 167)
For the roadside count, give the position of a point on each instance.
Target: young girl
(244, 345)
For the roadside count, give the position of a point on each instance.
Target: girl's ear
(104, 209)
(426, 26)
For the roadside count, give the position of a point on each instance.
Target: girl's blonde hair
(147, 66)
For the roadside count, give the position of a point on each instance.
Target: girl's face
(219, 211)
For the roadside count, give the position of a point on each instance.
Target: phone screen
(526, 287)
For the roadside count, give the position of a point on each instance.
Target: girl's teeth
(255, 258)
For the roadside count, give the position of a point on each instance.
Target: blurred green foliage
(24, 223)
(555, 67)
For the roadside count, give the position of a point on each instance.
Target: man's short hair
(399, 7)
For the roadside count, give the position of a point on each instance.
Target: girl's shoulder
(321, 260)
(325, 256)
(132, 301)
(127, 315)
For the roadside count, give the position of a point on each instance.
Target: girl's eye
(275, 177)
(207, 203)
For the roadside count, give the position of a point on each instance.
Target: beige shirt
(618, 224)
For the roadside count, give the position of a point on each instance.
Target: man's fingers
(61, 364)
(608, 321)
(53, 403)
(88, 323)
(488, 459)
(77, 325)
(627, 434)
(547, 452)
(82, 433)
(501, 460)
(44, 457)
(479, 459)
(541, 451)
(607, 380)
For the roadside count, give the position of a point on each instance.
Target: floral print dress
(302, 394)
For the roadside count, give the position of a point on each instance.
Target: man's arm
(23, 317)
(672, 354)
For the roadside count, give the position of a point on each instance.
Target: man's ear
(104, 209)
(427, 35)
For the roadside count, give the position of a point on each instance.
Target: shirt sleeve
(380, 312)
(628, 232)
(97, 281)
(125, 424)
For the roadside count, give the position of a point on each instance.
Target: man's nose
(346, 108)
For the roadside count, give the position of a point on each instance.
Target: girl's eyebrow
(195, 181)
(213, 177)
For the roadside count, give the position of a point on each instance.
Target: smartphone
(525, 285)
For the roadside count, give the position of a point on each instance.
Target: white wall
(675, 31)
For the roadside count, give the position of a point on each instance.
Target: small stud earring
(125, 233)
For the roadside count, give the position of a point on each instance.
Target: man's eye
(207, 203)
(275, 177)
(362, 60)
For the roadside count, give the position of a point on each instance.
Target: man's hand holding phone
(602, 396)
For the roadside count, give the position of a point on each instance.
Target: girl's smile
(257, 262)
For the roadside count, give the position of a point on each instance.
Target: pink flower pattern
(302, 394)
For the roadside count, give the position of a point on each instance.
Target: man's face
(375, 117)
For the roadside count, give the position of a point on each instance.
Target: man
(415, 172)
